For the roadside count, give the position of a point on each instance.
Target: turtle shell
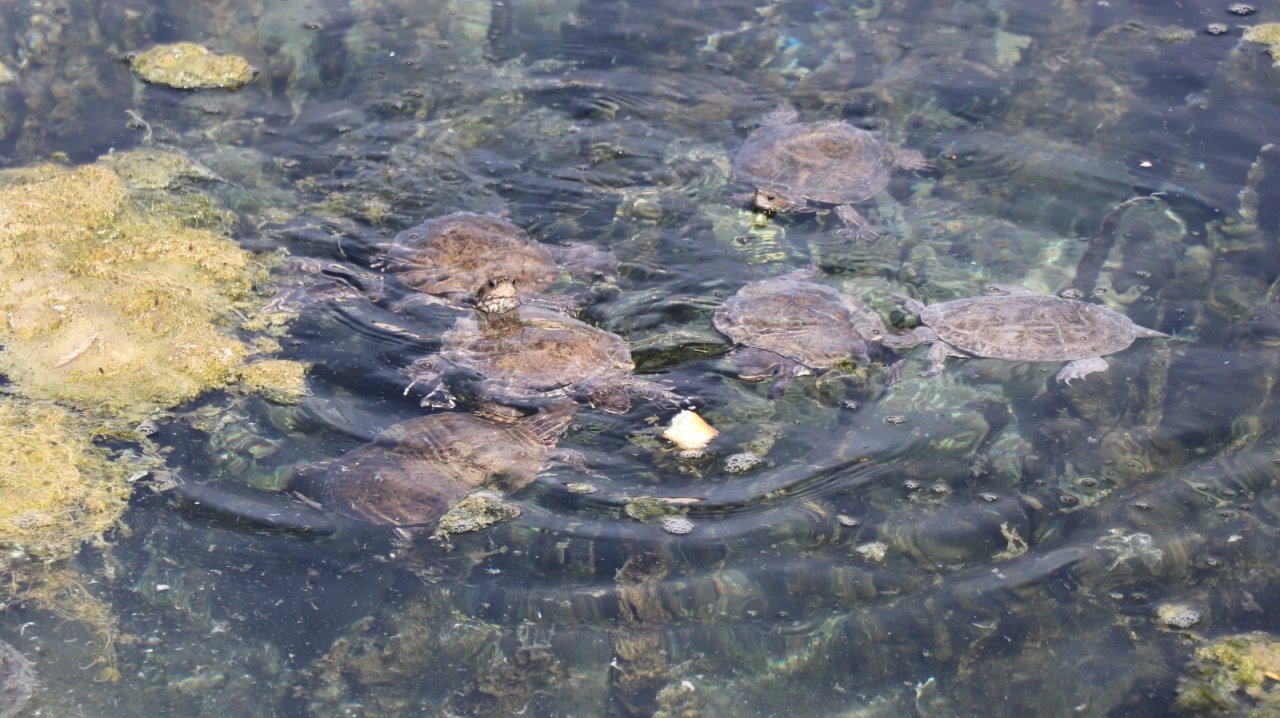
(410, 473)
(458, 252)
(547, 353)
(830, 162)
(1029, 327)
(807, 322)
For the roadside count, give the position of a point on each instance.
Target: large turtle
(532, 352)
(1021, 325)
(794, 165)
(789, 327)
(406, 477)
(447, 258)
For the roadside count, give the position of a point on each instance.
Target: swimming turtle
(410, 473)
(529, 352)
(447, 258)
(794, 165)
(406, 477)
(789, 327)
(1018, 324)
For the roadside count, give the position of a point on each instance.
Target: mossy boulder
(188, 66)
(1237, 675)
(58, 488)
(119, 307)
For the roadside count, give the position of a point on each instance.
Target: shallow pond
(986, 541)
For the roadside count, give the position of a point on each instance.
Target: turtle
(445, 259)
(409, 474)
(406, 477)
(798, 166)
(523, 352)
(788, 326)
(1021, 325)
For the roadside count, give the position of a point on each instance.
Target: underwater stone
(1234, 675)
(741, 463)
(1216, 28)
(118, 309)
(1268, 33)
(678, 525)
(188, 66)
(1239, 8)
(1177, 615)
(474, 512)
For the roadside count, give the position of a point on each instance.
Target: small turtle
(1021, 325)
(532, 352)
(447, 258)
(408, 475)
(793, 165)
(789, 326)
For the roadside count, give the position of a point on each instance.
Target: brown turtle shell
(458, 252)
(1030, 327)
(830, 161)
(548, 352)
(408, 475)
(810, 323)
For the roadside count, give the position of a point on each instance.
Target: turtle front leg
(938, 353)
(1080, 368)
(856, 227)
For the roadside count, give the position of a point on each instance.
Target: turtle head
(497, 296)
(772, 199)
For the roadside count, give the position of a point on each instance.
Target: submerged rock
(116, 304)
(1233, 676)
(188, 66)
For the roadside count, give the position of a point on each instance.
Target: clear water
(983, 542)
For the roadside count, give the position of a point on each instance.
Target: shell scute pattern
(411, 472)
(792, 325)
(830, 162)
(458, 252)
(1029, 328)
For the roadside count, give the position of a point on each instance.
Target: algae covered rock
(116, 305)
(1237, 675)
(58, 488)
(188, 66)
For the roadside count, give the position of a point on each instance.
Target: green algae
(188, 66)
(59, 488)
(113, 308)
(1235, 675)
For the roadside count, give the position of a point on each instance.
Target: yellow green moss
(111, 306)
(188, 66)
(1267, 33)
(1236, 675)
(279, 380)
(57, 488)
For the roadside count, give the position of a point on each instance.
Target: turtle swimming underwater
(447, 258)
(789, 326)
(1021, 325)
(530, 353)
(794, 164)
(406, 477)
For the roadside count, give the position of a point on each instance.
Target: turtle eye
(771, 197)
